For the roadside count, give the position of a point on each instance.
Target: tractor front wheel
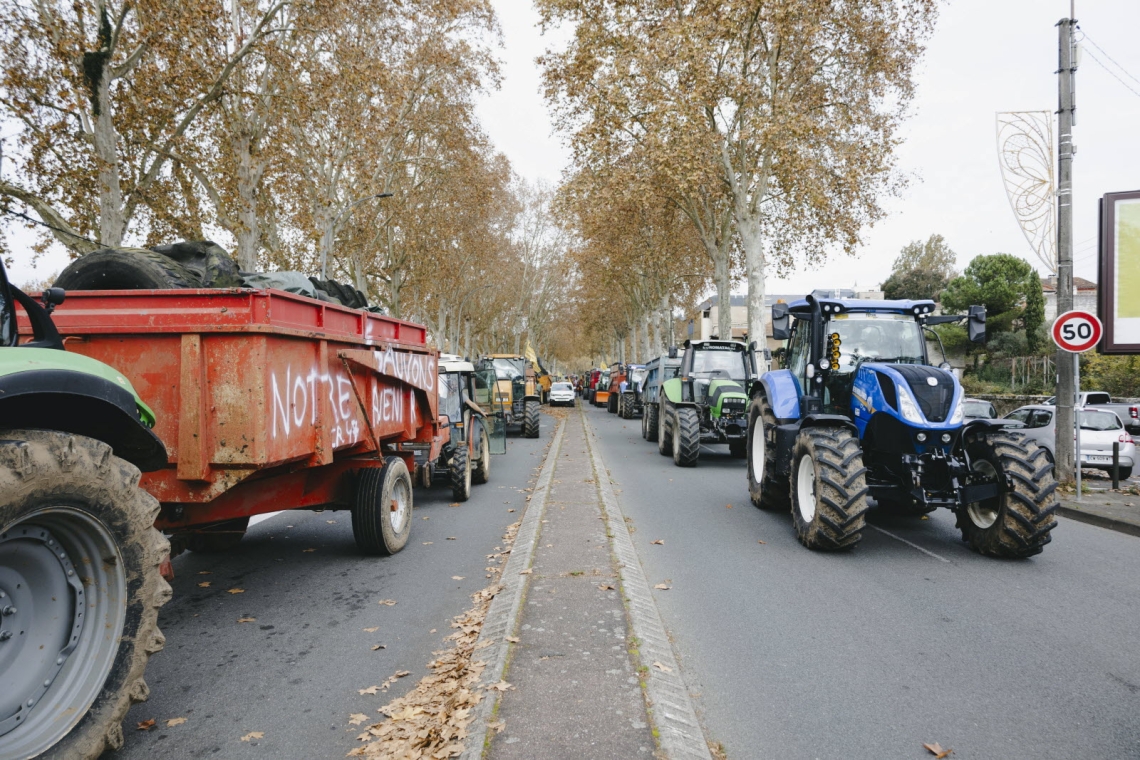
(1015, 523)
(686, 437)
(481, 471)
(459, 472)
(382, 512)
(80, 589)
(828, 488)
(766, 487)
(531, 419)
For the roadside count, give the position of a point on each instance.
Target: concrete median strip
(671, 710)
(503, 615)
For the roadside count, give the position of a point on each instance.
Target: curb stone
(1099, 521)
(671, 709)
(503, 614)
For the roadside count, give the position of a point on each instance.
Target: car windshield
(890, 338)
(726, 362)
(1094, 420)
(979, 409)
(506, 369)
(561, 387)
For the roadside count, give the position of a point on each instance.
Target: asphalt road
(293, 673)
(910, 638)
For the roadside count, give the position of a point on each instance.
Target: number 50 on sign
(1077, 331)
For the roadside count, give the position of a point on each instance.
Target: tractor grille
(934, 400)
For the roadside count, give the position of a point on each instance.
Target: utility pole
(1065, 360)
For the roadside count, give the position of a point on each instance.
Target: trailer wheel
(219, 538)
(459, 472)
(767, 489)
(126, 269)
(664, 434)
(649, 417)
(531, 419)
(828, 488)
(686, 437)
(382, 512)
(80, 590)
(481, 471)
(1015, 523)
(612, 402)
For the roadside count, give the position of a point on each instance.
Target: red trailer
(267, 401)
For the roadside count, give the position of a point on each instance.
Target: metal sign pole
(1077, 417)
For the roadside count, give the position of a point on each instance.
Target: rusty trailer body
(265, 400)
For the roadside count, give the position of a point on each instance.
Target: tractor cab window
(799, 351)
(506, 369)
(888, 338)
(637, 377)
(451, 396)
(719, 363)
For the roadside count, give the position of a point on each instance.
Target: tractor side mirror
(8, 333)
(976, 324)
(781, 322)
(672, 352)
(53, 297)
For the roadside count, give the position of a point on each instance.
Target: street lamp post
(331, 231)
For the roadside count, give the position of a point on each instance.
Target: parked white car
(1100, 428)
(561, 394)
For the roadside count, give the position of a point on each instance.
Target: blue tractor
(859, 411)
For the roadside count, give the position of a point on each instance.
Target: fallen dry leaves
(247, 620)
(662, 668)
(761, 542)
(513, 639)
(663, 586)
(377, 647)
(235, 591)
(175, 722)
(356, 719)
(253, 735)
(387, 602)
(430, 722)
(373, 629)
(605, 587)
(457, 577)
(935, 749)
(659, 542)
(204, 584)
(146, 725)
(528, 571)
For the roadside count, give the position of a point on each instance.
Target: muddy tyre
(218, 539)
(686, 437)
(664, 433)
(766, 487)
(531, 419)
(459, 472)
(126, 269)
(1017, 523)
(828, 488)
(650, 421)
(382, 510)
(481, 467)
(627, 411)
(612, 402)
(79, 566)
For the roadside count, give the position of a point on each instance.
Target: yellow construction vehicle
(516, 389)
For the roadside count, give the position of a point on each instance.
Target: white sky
(985, 56)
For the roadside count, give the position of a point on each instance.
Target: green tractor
(80, 580)
(707, 402)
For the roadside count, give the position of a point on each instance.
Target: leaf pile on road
(430, 722)
(556, 412)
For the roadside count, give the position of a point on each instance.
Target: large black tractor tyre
(649, 421)
(79, 576)
(481, 467)
(531, 419)
(686, 437)
(1015, 523)
(664, 432)
(126, 269)
(218, 538)
(612, 402)
(828, 488)
(767, 488)
(459, 472)
(382, 510)
(627, 406)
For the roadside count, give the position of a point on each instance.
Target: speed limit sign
(1077, 331)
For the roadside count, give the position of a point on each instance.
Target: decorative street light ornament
(1025, 154)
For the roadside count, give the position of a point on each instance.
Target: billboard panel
(1119, 294)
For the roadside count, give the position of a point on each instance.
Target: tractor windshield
(507, 369)
(889, 338)
(720, 363)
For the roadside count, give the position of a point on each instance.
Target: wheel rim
(805, 487)
(984, 513)
(63, 609)
(402, 503)
(758, 442)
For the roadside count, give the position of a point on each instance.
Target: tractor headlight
(959, 415)
(908, 408)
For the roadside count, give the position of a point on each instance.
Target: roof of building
(1049, 284)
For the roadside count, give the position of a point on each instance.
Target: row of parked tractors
(157, 405)
(859, 414)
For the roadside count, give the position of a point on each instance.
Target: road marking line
(261, 518)
(908, 543)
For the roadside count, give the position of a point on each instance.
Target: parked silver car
(1100, 428)
(979, 409)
